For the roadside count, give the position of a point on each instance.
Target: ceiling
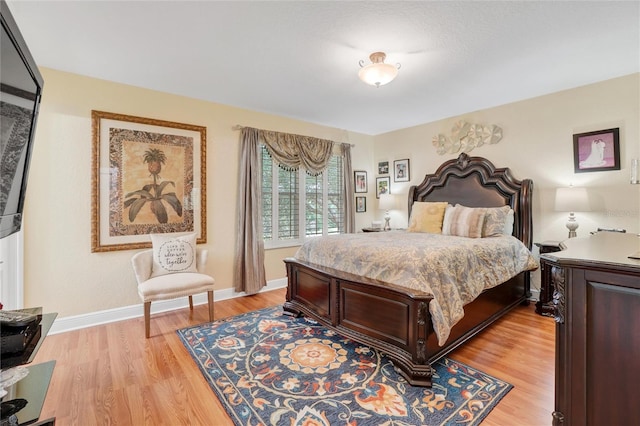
(300, 59)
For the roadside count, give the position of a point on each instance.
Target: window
(294, 200)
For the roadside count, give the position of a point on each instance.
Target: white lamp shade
(387, 202)
(378, 74)
(572, 199)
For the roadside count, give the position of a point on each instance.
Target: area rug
(268, 368)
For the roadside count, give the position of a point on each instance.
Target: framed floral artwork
(148, 177)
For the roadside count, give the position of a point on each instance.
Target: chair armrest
(142, 264)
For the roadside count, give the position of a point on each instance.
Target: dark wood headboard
(476, 182)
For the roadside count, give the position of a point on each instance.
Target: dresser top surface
(612, 248)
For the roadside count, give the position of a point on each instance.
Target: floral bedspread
(455, 270)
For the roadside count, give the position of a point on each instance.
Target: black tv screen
(20, 92)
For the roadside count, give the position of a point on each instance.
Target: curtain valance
(292, 151)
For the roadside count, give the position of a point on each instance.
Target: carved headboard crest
(476, 182)
(463, 160)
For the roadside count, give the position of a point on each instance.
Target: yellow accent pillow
(427, 217)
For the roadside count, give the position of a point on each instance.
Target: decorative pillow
(173, 253)
(427, 217)
(494, 221)
(463, 221)
(508, 224)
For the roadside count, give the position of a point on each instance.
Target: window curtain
(249, 272)
(290, 152)
(349, 208)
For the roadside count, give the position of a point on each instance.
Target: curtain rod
(239, 127)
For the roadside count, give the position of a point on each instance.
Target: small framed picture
(383, 168)
(360, 179)
(401, 170)
(596, 151)
(361, 204)
(383, 186)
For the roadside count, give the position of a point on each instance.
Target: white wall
(11, 270)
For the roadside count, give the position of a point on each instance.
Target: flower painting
(156, 194)
(148, 178)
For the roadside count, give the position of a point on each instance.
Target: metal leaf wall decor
(465, 137)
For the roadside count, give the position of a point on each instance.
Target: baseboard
(91, 319)
(535, 294)
(61, 325)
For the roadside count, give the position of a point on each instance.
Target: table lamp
(387, 202)
(572, 199)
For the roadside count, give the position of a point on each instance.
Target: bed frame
(396, 321)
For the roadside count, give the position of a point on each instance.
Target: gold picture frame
(149, 176)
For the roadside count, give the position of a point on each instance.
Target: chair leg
(210, 298)
(147, 319)
(191, 302)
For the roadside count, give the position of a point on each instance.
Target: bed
(395, 319)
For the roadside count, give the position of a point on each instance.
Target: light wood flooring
(112, 375)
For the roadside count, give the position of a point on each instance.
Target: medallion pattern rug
(268, 368)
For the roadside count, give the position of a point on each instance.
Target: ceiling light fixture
(377, 73)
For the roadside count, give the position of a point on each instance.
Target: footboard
(391, 319)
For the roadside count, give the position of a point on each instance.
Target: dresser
(596, 301)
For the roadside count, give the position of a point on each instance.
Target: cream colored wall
(538, 144)
(61, 273)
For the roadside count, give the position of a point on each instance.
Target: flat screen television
(20, 92)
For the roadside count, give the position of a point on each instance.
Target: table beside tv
(597, 312)
(35, 385)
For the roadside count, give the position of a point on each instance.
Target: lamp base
(387, 219)
(572, 225)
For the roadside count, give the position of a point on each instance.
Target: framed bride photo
(596, 151)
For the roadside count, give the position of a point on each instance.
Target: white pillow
(173, 253)
(508, 224)
(495, 221)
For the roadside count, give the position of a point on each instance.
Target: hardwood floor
(112, 375)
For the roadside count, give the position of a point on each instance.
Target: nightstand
(544, 306)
